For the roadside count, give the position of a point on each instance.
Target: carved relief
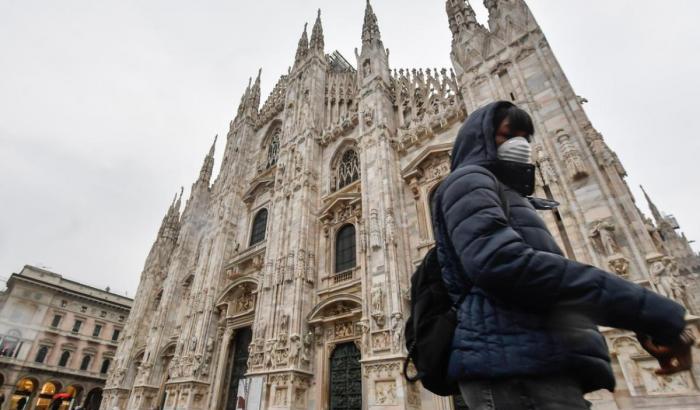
(381, 340)
(678, 383)
(280, 397)
(343, 330)
(385, 392)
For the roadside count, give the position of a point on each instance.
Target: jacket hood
(475, 143)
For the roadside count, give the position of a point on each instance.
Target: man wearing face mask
(527, 334)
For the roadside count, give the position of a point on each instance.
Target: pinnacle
(316, 42)
(370, 28)
(213, 146)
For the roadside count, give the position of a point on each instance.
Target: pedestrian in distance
(526, 333)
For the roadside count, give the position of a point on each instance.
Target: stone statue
(375, 239)
(294, 349)
(378, 306)
(306, 351)
(284, 323)
(654, 234)
(396, 331)
(603, 237)
(269, 346)
(390, 228)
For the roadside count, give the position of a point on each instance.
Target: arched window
(273, 148)
(41, 354)
(257, 233)
(345, 248)
(85, 363)
(105, 366)
(63, 361)
(348, 169)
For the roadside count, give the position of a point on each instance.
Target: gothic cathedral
(284, 284)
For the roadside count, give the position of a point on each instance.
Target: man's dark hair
(519, 119)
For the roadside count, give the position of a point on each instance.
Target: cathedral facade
(284, 283)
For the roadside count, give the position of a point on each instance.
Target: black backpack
(431, 325)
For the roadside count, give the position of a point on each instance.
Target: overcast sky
(108, 107)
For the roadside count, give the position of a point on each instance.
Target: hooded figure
(529, 311)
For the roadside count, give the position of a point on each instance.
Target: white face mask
(516, 149)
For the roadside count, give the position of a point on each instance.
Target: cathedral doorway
(239, 365)
(346, 380)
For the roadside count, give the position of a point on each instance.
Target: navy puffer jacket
(530, 310)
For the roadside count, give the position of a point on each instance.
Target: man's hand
(673, 358)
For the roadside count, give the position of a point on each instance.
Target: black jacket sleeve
(497, 260)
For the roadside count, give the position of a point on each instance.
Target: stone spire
(208, 165)
(170, 227)
(254, 97)
(370, 27)
(373, 58)
(302, 48)
(652, 207)
(244, 99)
(316, 43)
(460, 15)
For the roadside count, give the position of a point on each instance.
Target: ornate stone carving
(544, 162)
(385, 392)
(667, 280)
(427, 103)
(619, 264)
(381, 340)
(343, 330)
(571, 157)
(280, 397)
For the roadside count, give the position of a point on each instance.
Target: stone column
(221, 368)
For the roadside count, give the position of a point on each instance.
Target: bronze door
(345, 381)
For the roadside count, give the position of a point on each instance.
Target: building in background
(58, 339)
(284, 283)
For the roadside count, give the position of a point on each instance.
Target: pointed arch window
(85, 363)
(345, 256)
(273, 148)
(257, 233)
(348, 168)
(65, 356)
(41, 354)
